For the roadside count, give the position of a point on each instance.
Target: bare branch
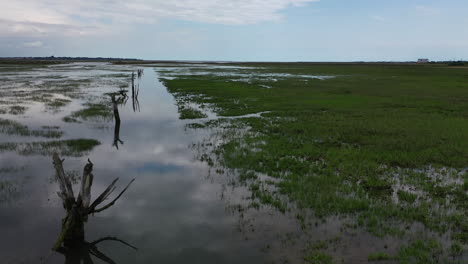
(109, 193)
(113, 201)
(103, 196)
(112, 239)
(98, 254)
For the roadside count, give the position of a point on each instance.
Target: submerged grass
(17, 110)
(351, 144)
(57, 103)
(72, 147)
(55, 88)
(379, 257)
(190, 113)
(317, 257)
(92, 111)
(11, 127)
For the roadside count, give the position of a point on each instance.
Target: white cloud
(235, 12)
(9, 28)
(33, 44)
(52, 20)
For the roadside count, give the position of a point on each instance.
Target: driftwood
(79, 209)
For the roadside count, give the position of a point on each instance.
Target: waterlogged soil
(211, 184)
(176, 211)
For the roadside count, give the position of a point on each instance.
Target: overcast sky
(242, 30)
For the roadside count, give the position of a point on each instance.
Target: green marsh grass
(190, 113)
(92, 111)
(379, 257)
(344, 145)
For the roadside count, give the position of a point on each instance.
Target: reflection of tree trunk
(82, 252)
(133, 96)
(135, 91)
(78, 209)
(117, 123)
(140, 73)
(135, 102)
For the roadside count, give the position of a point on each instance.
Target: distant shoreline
(57, 60)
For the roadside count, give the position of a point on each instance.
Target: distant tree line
(457, 63)
(53, 59)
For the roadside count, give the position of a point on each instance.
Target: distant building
(423, 61)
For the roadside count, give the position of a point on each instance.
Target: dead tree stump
(79, 209)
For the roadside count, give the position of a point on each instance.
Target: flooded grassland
(376, 155)
(171, 213)
(251, 163)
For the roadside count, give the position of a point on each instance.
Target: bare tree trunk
(78, 210)
(117, 123)
(135, 92)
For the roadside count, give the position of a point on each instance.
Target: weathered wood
(113, 201)
(66, 191)
(84, 197)
(72, 229)
(102, 196)
(78, 210)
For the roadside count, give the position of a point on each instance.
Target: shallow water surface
(174, 211)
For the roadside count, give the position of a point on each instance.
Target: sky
(237, 30)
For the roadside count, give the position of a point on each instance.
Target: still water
(174, 212)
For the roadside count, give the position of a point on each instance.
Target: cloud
(9, 28)
(56, 21)
(33, 44)
(233, 12)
